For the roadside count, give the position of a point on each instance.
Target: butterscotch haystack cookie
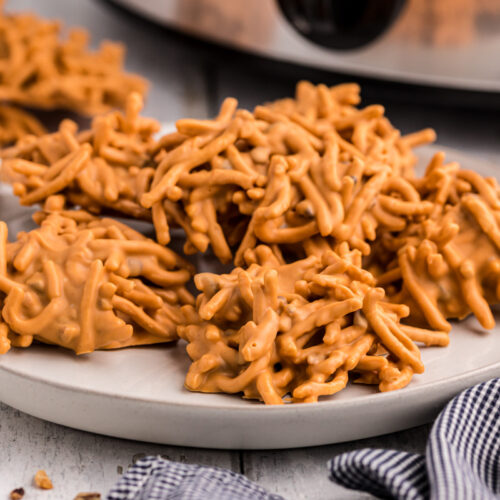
(106, 168)
(448, 266)
(86, 283)
(272, 329)
(294, 169)
(41, 69)
(16, 123)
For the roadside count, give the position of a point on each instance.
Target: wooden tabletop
(190, 78)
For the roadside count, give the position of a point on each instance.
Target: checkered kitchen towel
(462, 462)
(154, 478)
(462, 459)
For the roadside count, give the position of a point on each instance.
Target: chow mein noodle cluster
(346, 262)
(449, 264)
(86, 283)
(271, 329)
(41, 69)
(101, 169)
(291, 170)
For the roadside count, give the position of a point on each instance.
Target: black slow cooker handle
(341, 24)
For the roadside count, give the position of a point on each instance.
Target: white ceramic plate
(138, 393)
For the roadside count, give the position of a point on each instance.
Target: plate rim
(255, 406)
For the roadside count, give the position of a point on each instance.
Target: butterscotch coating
(86, 283)
(40, 68)
(312, 165)
(104, 169)
(291, 170)
(272, 329)
(449, 264)
(299, 204)
(16, 123)
(365, 133)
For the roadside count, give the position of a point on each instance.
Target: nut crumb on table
(42, 480)
(88, 496)
(16, 494)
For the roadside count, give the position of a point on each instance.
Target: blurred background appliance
(443, 43)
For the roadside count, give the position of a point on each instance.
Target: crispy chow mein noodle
(40, 69)
(15, 123)
(298, 205)
(105, 168)
(272, 329)
(86, 283)
(291, 170)
(284, 173)
(449, 265)
(347, 262)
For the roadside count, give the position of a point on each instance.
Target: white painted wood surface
(79, 461)
(189, 80)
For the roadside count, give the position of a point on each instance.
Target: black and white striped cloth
(462, 462)
(154, 478)
(462, 459)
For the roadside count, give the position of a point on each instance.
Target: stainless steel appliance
(446, 43)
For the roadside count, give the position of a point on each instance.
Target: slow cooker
(444, 43)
